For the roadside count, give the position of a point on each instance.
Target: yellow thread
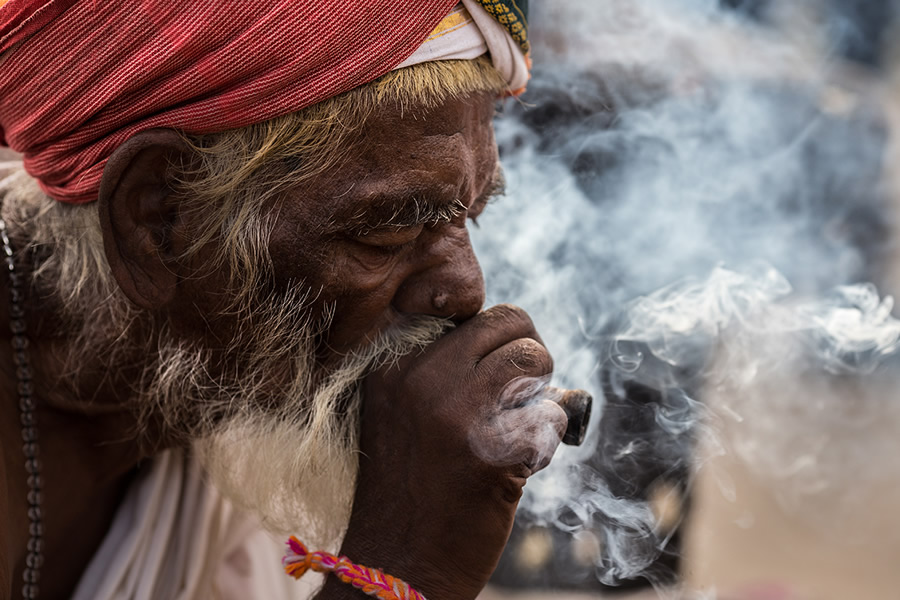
(455, 20)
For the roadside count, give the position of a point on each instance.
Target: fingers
(575, 403)
(527, 436)
(546, 432)
(489, 330)
(527, 390)
(524, 357)
(490, 349)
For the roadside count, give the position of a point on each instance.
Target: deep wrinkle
(382, 234)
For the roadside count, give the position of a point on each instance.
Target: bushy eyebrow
(413, 211)
(416, 210)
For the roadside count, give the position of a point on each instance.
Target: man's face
(383, 234)
(375, 239)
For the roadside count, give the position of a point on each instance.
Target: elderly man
(238, 251)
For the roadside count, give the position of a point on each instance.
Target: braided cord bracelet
(373, 582)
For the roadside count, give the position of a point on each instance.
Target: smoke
(694, 209)
(803, 382)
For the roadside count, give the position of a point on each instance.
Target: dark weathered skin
(428, 505)
(427, 508)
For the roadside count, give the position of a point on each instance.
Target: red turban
(79, 77)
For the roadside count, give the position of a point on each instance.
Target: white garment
(468, 32)
(175, 538)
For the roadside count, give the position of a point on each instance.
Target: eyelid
(388, 235)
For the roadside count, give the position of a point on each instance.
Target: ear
(137, 216)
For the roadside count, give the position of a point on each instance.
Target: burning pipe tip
(577, 406)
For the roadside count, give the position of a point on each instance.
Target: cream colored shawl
(175, 538)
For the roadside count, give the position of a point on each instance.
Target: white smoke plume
(695, 207)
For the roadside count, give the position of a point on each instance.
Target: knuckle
(529, 356)
(540, 461)
(557, 418)
(529, 436)
(508, 314)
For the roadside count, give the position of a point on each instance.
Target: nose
(448, 282)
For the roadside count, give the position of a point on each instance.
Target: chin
(294, 463)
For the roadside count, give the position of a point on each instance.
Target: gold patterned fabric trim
(513, 16)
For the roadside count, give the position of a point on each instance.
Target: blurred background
(701, 218)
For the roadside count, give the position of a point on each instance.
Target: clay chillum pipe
(577, 406)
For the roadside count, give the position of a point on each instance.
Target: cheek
(361, 287)
(360, 294)
(356, 287)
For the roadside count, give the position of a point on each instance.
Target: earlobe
(137, 217)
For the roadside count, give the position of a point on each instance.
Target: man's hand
(445, 455)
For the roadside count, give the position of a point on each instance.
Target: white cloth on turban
(468, 32)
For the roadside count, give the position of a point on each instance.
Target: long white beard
(295, 467)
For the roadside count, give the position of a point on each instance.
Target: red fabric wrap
(79, 77)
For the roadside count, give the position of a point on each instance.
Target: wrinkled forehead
(411, 129)
(435, 156)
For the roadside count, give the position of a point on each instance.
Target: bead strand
(28, 418)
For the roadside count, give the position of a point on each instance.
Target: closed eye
(386, 221)
(389, 236)
(496, 191)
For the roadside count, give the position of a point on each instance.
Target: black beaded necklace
(28, 417)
